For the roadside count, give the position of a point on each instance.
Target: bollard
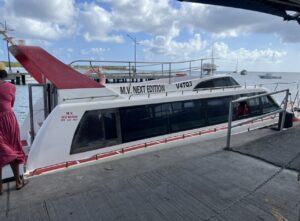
(23, 77)
(18, 80)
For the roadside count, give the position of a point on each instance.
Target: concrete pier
(184, 180)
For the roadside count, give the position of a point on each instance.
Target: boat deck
(190, 181)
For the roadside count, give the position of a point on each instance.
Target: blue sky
(166, 30)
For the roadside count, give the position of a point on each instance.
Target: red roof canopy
(45, 67)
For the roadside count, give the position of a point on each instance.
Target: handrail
(265, 115)
(93, 97)
(182, 91)
(142, 67)
(140, 62)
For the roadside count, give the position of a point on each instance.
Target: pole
(135, 55)
(229, 125)
(134, 48)
(201, 71)
(31, 114)
(7, 46)
(284, 109)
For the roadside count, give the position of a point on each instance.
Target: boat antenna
(212, 60)
(9, 40)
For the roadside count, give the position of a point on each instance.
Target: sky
(165, 30)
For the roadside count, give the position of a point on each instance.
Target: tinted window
(110, 126)
(221, 82)
(217, 110)
(144, 121)
(268, 104)
(217, 82)
(205, 84)
(248, 108)
(97, 129)
(254, 106)
(186, 115)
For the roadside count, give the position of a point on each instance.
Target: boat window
(232, 82)
(248, 108)
(110, 125)
(268, 104)
(189, 116)
(205, 84)
(254, 106)
(217, 110)
(176, 107)
(217, 82)
(243, 109)
(97, 129)
(144, 121)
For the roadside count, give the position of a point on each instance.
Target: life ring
(98, 72)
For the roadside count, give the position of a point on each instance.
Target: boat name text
(184, 84)
(142, 89)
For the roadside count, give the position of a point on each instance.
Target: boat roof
(44, 67)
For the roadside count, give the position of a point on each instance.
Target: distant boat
(269, 76)
(243, 72)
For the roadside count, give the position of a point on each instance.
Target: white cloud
(47, 19)
(224, 22)
(97, 24)
(94, 53)
(57, 11)
(152, 17)
(223, 51)
(155, 17)
(176, 50)
(255, 60)
(110, 20)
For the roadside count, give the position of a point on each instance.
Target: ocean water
(288, 81)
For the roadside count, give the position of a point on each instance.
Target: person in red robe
(11, 151)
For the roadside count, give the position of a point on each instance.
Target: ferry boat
(80, 120)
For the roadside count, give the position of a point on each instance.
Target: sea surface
(288, 80)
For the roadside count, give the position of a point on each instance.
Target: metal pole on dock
(134, 41)
(284, 109)
(23, 79)
(170, 73)
(7, 46)
(229, 125)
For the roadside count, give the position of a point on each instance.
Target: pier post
(23, 79)
(284, 109)
(18, 80)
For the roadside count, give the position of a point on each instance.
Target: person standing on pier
(11, 151)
